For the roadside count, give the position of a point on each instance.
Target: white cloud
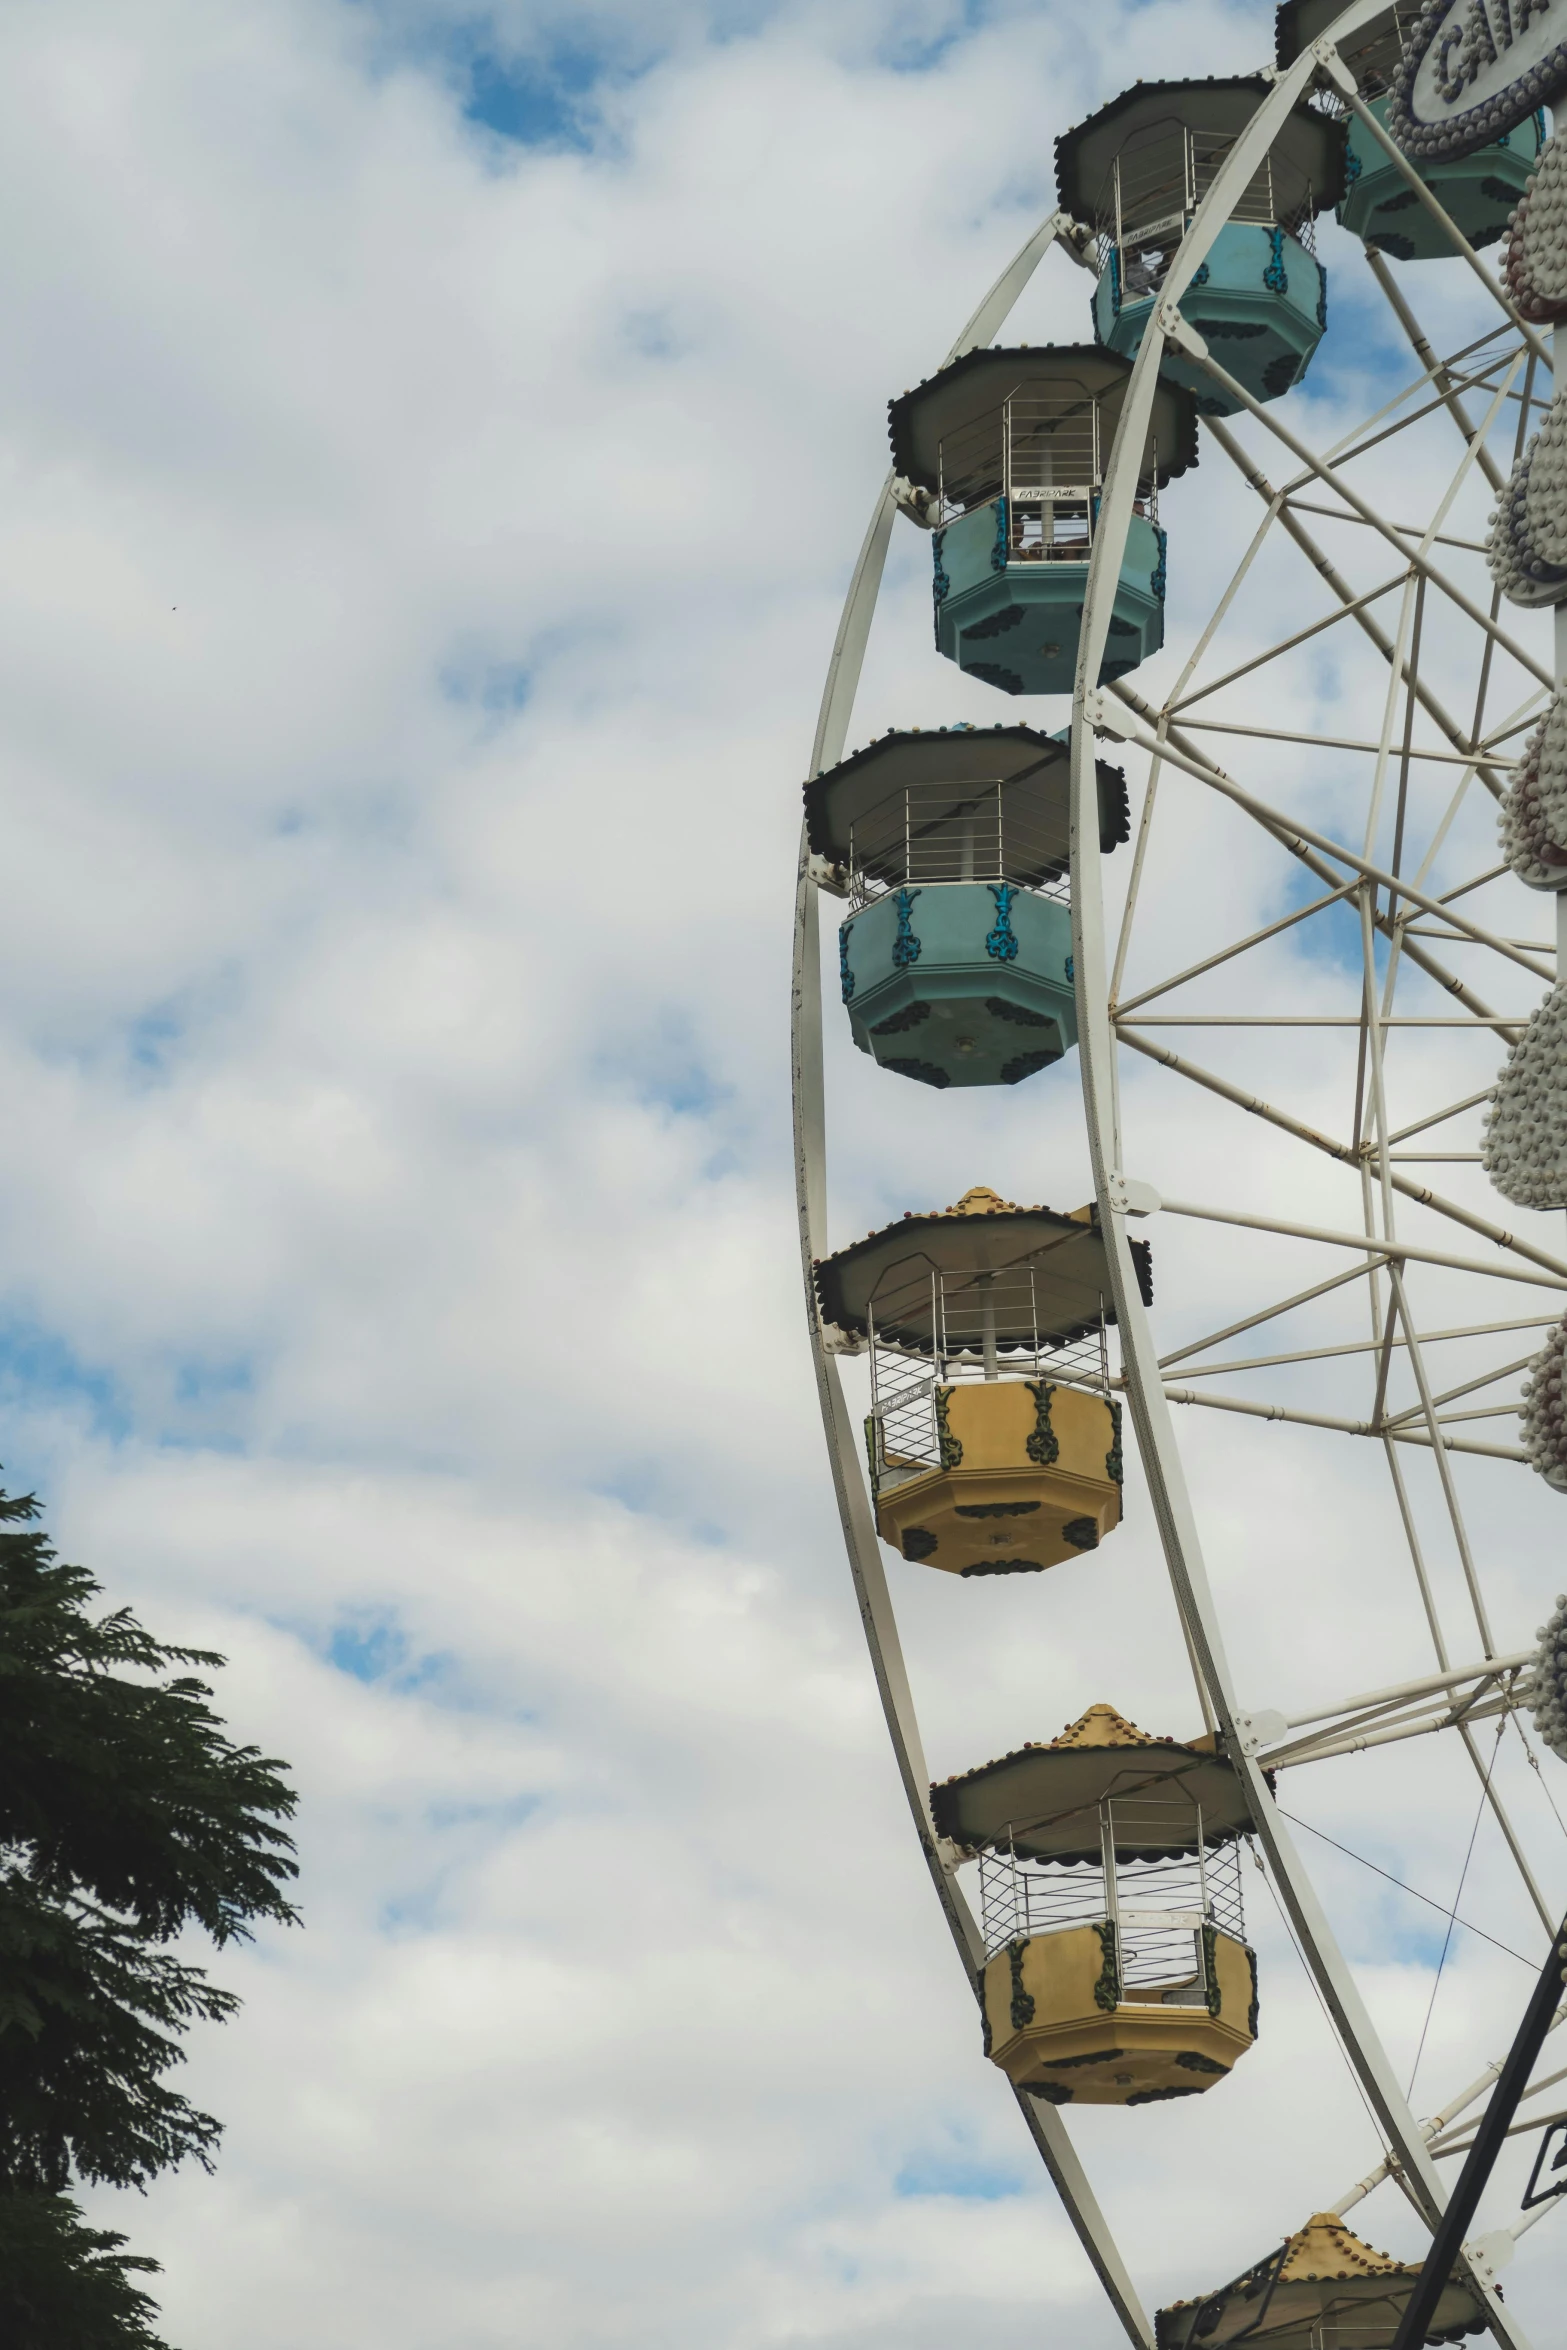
(422, 553)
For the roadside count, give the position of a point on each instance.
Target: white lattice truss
(1413, 1322)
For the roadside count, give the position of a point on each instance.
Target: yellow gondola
(1322, 2290)
(994, 1442)
(1117, 1969)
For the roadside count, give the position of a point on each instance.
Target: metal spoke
(1392, 1250)
(1277, 822)
(1192, 346)
(1470, 1101)
(1341, 1151)
(1440, 374)
(1405, 530)
(1258, 482)
(1347, 610)
(1394, 841)
(1286, 1305)
(1356, 1346)
(1339, 1426)
(1226, 954)
(1472, 1387)
(1328, 742)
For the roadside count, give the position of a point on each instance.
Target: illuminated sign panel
(1473, 69)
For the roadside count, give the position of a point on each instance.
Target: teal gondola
(952, 847)
(1004, 453)
(1477, 192)
(1135, 173)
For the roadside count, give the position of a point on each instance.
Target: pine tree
(126, 1815)
(66, 2286)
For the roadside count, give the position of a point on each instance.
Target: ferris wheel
(1292, 628)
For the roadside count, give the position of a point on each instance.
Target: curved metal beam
(859, 1531)
(1149, 1407)
(854, 627)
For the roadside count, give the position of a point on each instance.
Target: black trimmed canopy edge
(1205, 1754)
(1385, 2275)
(900, 410)
(1115, 807)
(1291, 35)
(1287, 38)
(1074, 200)
(910, 1226)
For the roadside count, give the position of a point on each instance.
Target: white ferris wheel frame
(1461, 1694)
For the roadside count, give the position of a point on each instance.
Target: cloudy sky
(433, 440)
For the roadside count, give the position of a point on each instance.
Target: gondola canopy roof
(1322, 2285)
(1069, 378)
(888, 1276)
(1307, 155)
(1373, 52)
(1042, 1802)
(946, 769)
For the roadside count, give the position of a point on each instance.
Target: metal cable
(1316, 1989)
(1534, 1765)
(1463, 1873)
(1410, 1889)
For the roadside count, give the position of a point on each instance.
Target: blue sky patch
(653, 335)
(497, 687)
(205, 1382)
(371, 1647)
(967, 2176)
(534, 103)
(149, 1039)
(663, 1066)
(909, 55)
(38, 1368)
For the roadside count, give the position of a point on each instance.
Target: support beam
(1286, 828)
(1448, 2240)
(1387, 924)
(1149, 1408)
(1046, 2126)
(1404, 1184)
(1438, 2122)
(1433, 366)
(1401, 1692)
(1257, 481)
(1276, 1411)
(1396, 1251)
(1191, 346)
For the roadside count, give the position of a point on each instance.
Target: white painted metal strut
(1433, 2128)
(1149, 1407)
(1410, 2157)
(1045, 2124)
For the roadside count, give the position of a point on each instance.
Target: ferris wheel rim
(1097, 1048)
(1158, 1446)
(866, 1566)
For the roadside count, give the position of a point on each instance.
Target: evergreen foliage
(124, 1789)
(66, 2286)
(126, 1816)
(88, 2015)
